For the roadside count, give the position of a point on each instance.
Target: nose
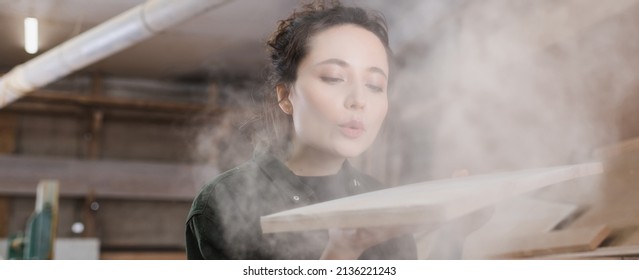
(356, 99)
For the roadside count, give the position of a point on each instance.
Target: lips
(352, 129)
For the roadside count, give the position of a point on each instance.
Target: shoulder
(225, 186)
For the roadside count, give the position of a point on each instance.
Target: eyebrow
(343, 63)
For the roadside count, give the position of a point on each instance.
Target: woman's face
(339, 99)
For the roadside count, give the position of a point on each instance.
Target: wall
(126, 131)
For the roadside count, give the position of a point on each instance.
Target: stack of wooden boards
(614, 201)
(526, 227)
(436, 203)
(608, 206)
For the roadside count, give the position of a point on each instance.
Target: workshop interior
(512, 130)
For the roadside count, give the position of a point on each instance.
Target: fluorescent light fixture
(31, 35)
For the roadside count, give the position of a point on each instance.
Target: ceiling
(228, 40)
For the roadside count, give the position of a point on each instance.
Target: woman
(329, 84)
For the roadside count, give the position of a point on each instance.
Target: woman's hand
(349, 244)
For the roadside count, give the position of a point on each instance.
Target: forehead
(351, 43)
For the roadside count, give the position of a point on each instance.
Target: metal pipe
(116, 34)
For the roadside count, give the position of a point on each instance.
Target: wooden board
(619, 149)
(627, 236)
(615, 201)
(556, 242)
(516, 217)
(621, 252)
(426, 203)
(632, 239)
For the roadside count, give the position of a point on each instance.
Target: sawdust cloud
(492, 86)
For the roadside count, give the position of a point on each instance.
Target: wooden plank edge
(600, 253)
(548, 243)
(618, 149)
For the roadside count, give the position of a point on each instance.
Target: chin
(351, 150)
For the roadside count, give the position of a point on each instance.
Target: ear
(282, 99)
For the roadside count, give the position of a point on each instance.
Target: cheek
(380, 110)
(317, 104)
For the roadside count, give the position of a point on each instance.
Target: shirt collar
(282, 176)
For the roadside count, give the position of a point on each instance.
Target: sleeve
(224, 223)
(204, 238)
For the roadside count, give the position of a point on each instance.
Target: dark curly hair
(289, 44)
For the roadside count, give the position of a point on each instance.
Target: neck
(307, 161)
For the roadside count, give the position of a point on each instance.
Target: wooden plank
(632, 238)
(556, 242)
(614, 201)
(621, 252)
(513, 218)
(426, 203)
(619, 149)
(627, 236)
(110, 179)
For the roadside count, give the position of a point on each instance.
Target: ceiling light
(31, 35)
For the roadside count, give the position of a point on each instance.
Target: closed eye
(332, 80)
(374, 88)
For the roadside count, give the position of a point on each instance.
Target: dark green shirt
(224, 221)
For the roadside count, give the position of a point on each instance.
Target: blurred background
(483, 86)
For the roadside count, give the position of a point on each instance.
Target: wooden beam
(5, 214)
(97, 84)
(39, 108)
(88, 215)
(110, 179)
(424, 203)
(97, 116)
(8, 124)
(113, 102)
(33, 107)
(94, 146)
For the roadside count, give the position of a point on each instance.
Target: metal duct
(116, 34)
